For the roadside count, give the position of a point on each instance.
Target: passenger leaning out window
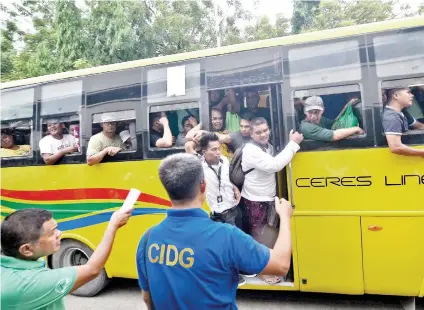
(9, 148)
(160, 132)
(56, 144)
(106, 142)
(317, 127)
(395, 123)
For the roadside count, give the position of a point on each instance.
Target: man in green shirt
(317, 127)
(29, 235)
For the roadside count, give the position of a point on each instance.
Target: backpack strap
(145, 263)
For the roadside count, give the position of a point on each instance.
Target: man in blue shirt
(190, 262)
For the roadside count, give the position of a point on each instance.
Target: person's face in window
(55, 128)
(214, 95)
(109, 127)
(314, 116)
(213, 153)
(252, 99)
(404, 97)
(260, 134)
(187, 127)
(72, 129)
(217, 120)
(244, 128)
(7, 141)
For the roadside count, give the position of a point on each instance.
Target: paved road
(125, 295)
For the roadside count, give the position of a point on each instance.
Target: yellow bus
(358, 224)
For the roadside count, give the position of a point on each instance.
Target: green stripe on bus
(65, 210)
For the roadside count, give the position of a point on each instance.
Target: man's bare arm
(397, 147)
(147, 299)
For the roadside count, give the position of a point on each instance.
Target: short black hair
(181, 175)
(153, 117)
(185, 119)
(257, 122)
(21, 227)
(247, 115)
(392, 91)
(206, 138)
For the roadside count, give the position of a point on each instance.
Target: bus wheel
(74, 253)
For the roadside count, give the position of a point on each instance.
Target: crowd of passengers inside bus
(231, 110)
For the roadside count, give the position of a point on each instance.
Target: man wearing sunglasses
(104, 143)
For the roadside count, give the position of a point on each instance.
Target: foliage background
(66, 35)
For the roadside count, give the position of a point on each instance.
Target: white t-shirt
(260, 184)
(50, 145)
(212, 186)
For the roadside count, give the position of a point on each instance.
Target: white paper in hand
(130, 200)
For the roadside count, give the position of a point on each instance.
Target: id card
(219, 200)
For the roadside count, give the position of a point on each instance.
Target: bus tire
(74, 253)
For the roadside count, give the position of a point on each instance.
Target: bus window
(123, 125)
(169, 124)
(61, 98)
(319, 113)
(401, 53)
(408, 96)
(324, 63)
(16, 139)
(16, 123)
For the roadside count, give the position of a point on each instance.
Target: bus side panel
(360, 180)
(329, 254)
(393, 253)
(82, 199)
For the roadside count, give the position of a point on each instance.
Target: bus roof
(281, 41)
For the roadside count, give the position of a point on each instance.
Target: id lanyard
(218, 175)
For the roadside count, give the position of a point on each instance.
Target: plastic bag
(346, 120)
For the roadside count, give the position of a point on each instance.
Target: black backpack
(236, 172)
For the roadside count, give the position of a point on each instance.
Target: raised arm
(95, 264)
(166, 140)
(265, 162)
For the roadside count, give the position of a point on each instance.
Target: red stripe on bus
(80, 193)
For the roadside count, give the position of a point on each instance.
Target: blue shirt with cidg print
(193, 262)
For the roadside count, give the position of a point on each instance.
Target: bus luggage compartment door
(393, 254)
(329, 254)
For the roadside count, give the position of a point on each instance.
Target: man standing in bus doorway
(190, 262)
(259, 187)
(239, 138)
(222, 196)
(395, 123)
(56, 145)
(104, 143)
(317, 127)
(27, 236)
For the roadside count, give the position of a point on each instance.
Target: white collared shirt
(212, 186)
(260, 184)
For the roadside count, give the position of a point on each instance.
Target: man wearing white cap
(104, 143)
(317, 127)
(56, 145)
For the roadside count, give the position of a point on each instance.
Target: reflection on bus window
(333, 115)
(169, 127)
(16, 139)
(108, 130)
